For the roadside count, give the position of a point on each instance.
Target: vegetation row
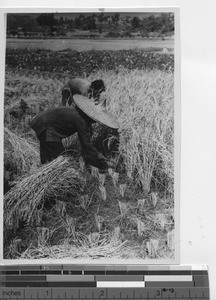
(84, 63)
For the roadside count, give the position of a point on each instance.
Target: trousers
(49, 150)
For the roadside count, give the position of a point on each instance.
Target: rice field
(66, 209)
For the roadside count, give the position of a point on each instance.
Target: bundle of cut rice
(20, 155)
(50, 181)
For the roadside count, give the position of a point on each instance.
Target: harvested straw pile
(52, 181)
(20, 156)
(106, 248)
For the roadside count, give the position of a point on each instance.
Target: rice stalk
(70, 225)
(94, 172)
(171, 240)
(152, 246)
(15, 248)
(123, 208)
(103, 192)
(140, 227)
(160, 220)
(154, 198)
(81, 163)
(60, 207)
(43, 235)
(93, 238)
(141, 203)
(101, 178)
(116, 233)
(122, 189)
(110, 172)
(115, 177)
(99, 221)
(85, 201)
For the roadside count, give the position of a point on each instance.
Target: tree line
(49, 22)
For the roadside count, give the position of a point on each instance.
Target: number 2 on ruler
(101, 294)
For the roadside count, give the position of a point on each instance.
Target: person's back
(52, 125)
(63, 120)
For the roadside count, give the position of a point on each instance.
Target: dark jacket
(62, 122)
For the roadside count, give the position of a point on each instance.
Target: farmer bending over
(54, 124)
(82, 87)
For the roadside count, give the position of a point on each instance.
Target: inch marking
(115, 294)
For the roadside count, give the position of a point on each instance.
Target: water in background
(89, 44)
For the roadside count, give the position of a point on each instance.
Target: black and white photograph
(91, 136)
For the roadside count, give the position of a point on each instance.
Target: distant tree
(115, 19)
(102, 19)
(165, 22)
(126, 21)
(61, 21)
(162, 23)
(78, 21)
(149, 24)
(135, 22)
(47, 20)
(170, 22)
(26, 22)
(12, 23)
(89, 23)
(66, 21)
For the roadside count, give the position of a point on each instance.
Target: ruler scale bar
(119, 282)
(112, 293)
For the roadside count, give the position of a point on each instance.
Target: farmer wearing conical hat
(54, 124)
(82, 87)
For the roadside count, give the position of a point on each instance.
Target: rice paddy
(66, 209)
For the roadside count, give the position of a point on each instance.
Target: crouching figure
(82, 87)
(54, 124)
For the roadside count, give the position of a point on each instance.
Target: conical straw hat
(97, 112)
